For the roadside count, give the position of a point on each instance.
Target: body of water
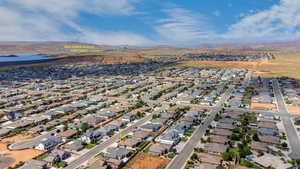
(23, 57)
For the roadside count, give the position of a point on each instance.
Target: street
(97, 149)
(180, 160)
(288, 124)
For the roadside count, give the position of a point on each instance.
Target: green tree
(85, 127)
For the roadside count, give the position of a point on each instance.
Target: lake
(23, 57)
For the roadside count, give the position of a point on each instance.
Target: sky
(150, 22)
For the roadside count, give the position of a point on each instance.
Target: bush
(171, 155)
(297, 122)
(199, 150)
(60, 164)
(89, 146)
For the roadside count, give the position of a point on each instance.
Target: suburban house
(170, 137)
(49, 142)
(131, 142)
(34, 164)
(107, 128)
(151, 127)
(178, 129)
(142, 135)
(215, 148)
(74, 146)
(129, 117)
(91, 136)
(107, 115)
(268, 131)
(116, 153)
(57, 156)
(159, 149)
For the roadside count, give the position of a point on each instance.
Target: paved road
(29, 143)
(97, 149)
(287, 122)
(179, 161)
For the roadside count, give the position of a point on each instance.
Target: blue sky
(150, 22)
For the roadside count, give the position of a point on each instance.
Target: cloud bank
(55, 20)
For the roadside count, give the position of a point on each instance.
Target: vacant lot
(294, 109)
(145, 161)
(20, 155)
(263, 106)
(19, 137)
(286, 64)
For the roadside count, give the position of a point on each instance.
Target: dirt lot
(21, 155)
(294, 109)
(20, 137)
(285, 64)
(262, 106)
(145, 161)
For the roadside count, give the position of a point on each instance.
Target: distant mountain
(280, 46)
(39, 47)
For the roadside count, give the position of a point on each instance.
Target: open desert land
(294, 110)
(286, 64)
(144, 161)
(20, 155)
(262, 106)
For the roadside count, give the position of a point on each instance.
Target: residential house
(119, 123)
(178, 129)
(67, 134)
(267, 124)
(268, 131)
(227, 121)
(142, 135)
(150, 127)
(222, 132)
(93, 120)
(34, 164)
(49, 142)
(159, 149)
(57, 156)
(131, 142)
(170, 137)
(4, 132)
(218, 139)
(209, 158)
(259, 146)
(116, 153)
(185, 124)
(215, 148)
(159, 121)
(74, 146)
(107, 128)
(269, 139)
(107, 115)
(226, 126)
(97, 164)
(129, 117)
(91, 136)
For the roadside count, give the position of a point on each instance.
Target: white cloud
(114, 38)
(183, 27)
(33, 20)
(216, 13)
(16, 26)
(119, 7)
(48, 19)
(280, 22)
